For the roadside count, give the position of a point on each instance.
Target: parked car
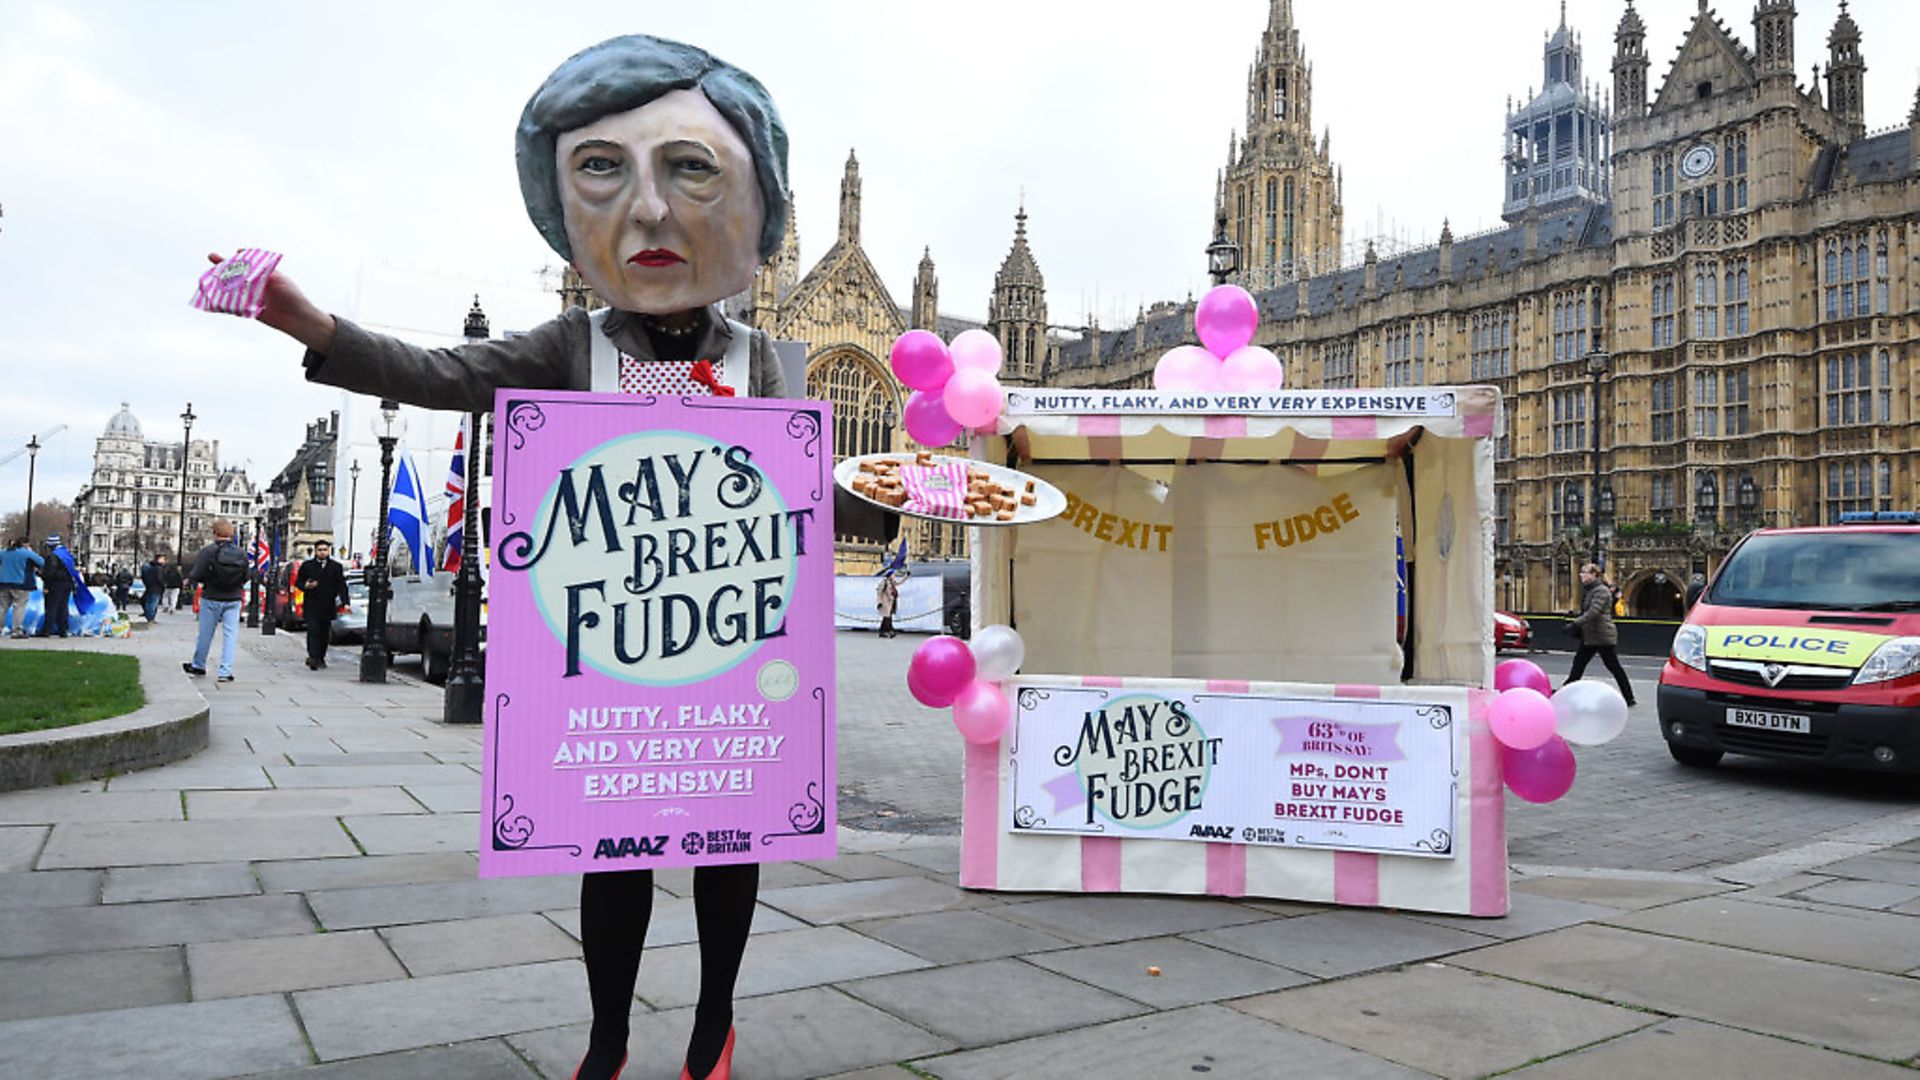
(1510, 631)
(350, 625)
(1804, 647)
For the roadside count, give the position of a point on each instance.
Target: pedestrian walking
(1598, 634)
(122, 588)
(323, 585)
(886, 599)
(153, 578)
(220, 569)
(172, 580)
(62, 582)
(18, 565)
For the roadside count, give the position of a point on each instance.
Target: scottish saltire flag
(456, 500)
(899, 560)
(407, 513)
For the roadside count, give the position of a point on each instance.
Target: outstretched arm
(287, 309)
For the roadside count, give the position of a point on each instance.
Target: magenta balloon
(1251, 369)
(982, 713)
(1521, 718)
(924, 696)
(927, 420)
(974, 398)
(921, 360)
(1226, 319)
(1521, 673)
(1542, 774)
(943, 666)
(977, 349)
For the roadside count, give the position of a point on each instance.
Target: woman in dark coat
(1598, 634)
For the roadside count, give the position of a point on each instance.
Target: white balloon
(998, 652)
(1589, 713)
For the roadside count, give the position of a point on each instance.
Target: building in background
(1732, 299)
(129, 509)
(308, 485)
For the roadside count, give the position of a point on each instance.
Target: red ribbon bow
(702, 373)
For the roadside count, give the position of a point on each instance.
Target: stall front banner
(660, 683)
(1344, 774)
(1410, 401)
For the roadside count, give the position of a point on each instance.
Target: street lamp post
(387, 427)
(33, 455)
(1706, 500)
(1747, 498)
(1223, 255)
(1597, 367)
(466, 680)
(353, 505)
(186, 449)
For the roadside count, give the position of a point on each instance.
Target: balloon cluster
(949, 672)
(1534, 725)
(1225, 360)
(955, 387)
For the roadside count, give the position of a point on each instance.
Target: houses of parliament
(1706, 295)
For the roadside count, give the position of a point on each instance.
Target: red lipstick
(656, 257)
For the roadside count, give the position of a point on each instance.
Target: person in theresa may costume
(660, 173)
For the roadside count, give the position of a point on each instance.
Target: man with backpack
(221, 570)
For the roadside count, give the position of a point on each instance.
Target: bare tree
(49, 516)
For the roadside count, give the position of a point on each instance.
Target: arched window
(1032, 352)
(1286, 230)
(1273, 218)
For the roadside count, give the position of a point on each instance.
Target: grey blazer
(556, 355)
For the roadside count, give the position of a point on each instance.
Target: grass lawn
(45, 689)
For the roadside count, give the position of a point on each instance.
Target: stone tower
(850, 202)
(1773, 38)
(1280, 194)
(1558, 144)
(777, 277)
(1846, 74)
(1017, 314)
(926, 294)
(1630, 66)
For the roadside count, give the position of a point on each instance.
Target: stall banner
(1409, 401)
(920, 608)
(660, 683)
(1344, 774)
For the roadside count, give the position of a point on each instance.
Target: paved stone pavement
(299, 901)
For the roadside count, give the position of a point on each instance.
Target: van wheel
(433, 663)
(1695, 758)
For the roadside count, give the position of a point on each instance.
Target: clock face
(1698, 161)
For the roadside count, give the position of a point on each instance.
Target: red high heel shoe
(722, 1069)
(618, 1069)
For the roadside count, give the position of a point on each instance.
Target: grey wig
(625, 73)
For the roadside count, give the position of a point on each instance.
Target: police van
(1805, 647)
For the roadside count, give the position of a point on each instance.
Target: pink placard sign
(660, 633)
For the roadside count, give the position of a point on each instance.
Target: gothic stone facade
(1749, 298)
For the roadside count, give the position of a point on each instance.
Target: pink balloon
(942, 665)
(1251, 368)
(1186, 368)
(1509, 674)
(1542, 774)
(1521, 718)
(974, 398)
(924, 696)
(927, 420)
(982, 713)
(921, 360)
(1226, 319)
(977, 349)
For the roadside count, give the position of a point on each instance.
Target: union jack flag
(262, 555)
(456, 501)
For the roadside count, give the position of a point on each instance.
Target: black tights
(614, 910)
(1608, 656)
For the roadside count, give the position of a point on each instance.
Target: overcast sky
(372, 143)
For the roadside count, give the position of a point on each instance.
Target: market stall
(1220, 694)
